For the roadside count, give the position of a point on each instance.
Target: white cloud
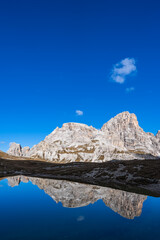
(80, 218)
(79, 112)
(2, 142)
(130, 89)
(123, 69)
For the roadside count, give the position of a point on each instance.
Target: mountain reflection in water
(74, 195)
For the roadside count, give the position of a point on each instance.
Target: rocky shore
(139, 176)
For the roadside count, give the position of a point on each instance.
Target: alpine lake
(46, 209)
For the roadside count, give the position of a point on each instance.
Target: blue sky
(57, 57)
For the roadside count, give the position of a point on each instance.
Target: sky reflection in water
(28, 212)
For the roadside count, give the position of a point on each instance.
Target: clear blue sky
(57, 57)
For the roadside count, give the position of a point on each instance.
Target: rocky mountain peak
(124, 129)
(17, 150)
(73, 126)
(119, 138)
(158, 137)
(124, 120)
(158, 134)
(72, 132)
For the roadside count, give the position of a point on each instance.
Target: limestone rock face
(124, 128)
(25, 151)
(120, 138)
(73, 195)
(158, 136)
(16, 150)
(75, 142)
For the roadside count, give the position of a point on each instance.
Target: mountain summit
(119, 138)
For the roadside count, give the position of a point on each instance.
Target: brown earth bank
(138, 176)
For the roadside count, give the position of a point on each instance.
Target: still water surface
(34, 208)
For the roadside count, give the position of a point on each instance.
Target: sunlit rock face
(72, 195)
(124, 128)
(120, 138)
(158, 136)
(16, 150)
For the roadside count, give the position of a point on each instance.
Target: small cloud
(123, 69)
(80, 218)
(2, 142)
(79, 112)
(130, 89)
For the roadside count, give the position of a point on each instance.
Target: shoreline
(138, 176)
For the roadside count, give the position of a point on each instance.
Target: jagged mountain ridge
(73, 195)
(119, 138)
